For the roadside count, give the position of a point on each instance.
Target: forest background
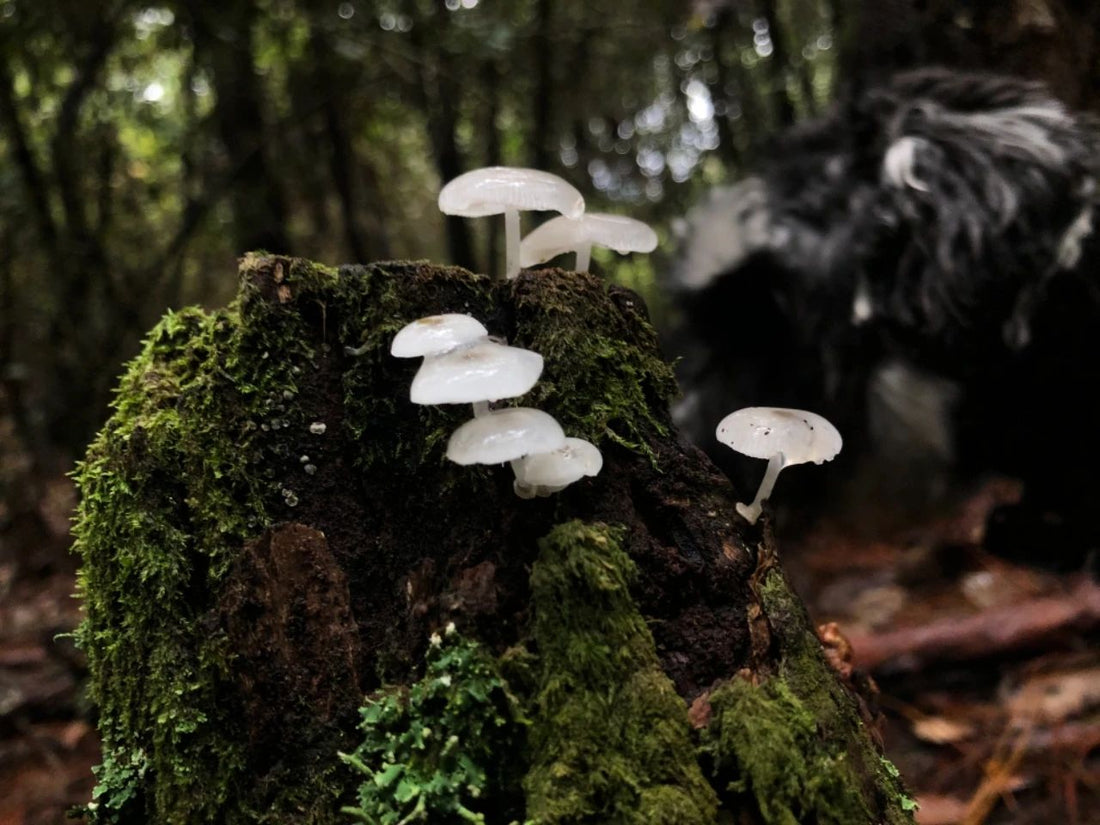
(144, 147)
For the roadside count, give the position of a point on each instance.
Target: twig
(1002, 629)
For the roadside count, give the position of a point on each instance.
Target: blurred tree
(223, 39)
(1056, 41)
(147, 144)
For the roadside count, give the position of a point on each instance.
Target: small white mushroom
(551, 472)
(483, 371)
(783, 437)
(436, 334)
(560, 235)
(508, 190)
(505, 435)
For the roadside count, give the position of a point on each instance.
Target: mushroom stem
(584, 257)
(480, 408)
(511, 243)
(751, 512)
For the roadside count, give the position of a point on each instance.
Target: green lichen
(443, 750)
(609, 738)
(786, 742)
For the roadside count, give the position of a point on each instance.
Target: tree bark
(271, 537)
(224, 43)
(439, 95)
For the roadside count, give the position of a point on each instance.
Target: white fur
(731, 224)
(898, 164)
(1069, 249)
(910, 411)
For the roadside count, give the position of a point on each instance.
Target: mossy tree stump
(271, 536)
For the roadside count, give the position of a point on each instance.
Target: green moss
(175, 483)
(373, 303)
(764, 742)
(609, 739)
(604, 375)
(810, 677)
(786, 742)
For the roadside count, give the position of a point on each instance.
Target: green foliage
(439, 750)
(118, 784)
(609, 739)
(134, 144)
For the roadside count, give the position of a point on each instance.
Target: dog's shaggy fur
(921, 266)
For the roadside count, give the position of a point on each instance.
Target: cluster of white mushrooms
(784, 437)
(509, 190)
(463, 365)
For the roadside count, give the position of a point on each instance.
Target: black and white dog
(920, 266)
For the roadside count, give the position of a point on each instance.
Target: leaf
(406, 790)
(388, 775)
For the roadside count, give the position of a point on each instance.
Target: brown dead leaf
(1055, 696)
(700, 710)
(937, 809)
(939, 730)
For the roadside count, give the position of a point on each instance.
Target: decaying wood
(272, 524)
(1028, 624)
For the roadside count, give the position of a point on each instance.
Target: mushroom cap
(436, 334)
(505, 435)
(563, 234)
(482, 371)
(561, 467)
(496, 189)
(762, 432)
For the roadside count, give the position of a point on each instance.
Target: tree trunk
(224, 43)
(270, 532)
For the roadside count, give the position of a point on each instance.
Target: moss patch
(605, 381)
(763, 741)
(786, 741)
(184, 472)
(610, 740)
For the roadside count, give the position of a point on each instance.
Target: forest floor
(989, 673)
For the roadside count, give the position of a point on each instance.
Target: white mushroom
(483, 371)
(784, 437)
(505, 435)
(560, 235)
(504, 189)
(436, 334)
(551, 472)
